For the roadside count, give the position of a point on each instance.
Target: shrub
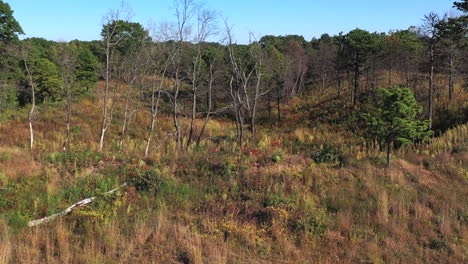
(328, 154)
(277, 156)
(312, 222)
(3, 178)
(74, 159)
(147, 181)
(17, 219)
(214, 167)
(5, 156)
(274, 200)
(440, 245)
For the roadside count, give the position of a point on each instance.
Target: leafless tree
(431, 31)
(205, 28)
(25, 57)
(297, 68)
(161, 56)
(133, 73)
(239, 79)
(109, 42)
(245, 83)
(211, 77)
(258, 89)
(184, 10)
(66, 60)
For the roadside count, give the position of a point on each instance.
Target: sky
(65, 20)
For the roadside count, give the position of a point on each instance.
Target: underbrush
(294, 194)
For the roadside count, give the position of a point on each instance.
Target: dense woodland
(219, 152)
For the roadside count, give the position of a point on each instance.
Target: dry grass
(223, 204)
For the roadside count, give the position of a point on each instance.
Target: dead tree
(211, 60)
(245, 83)
(205, 28)
(431, 30)
(240, 78)
(156, 89)
(33, 100)
(184, 10)
(66, 59)
(133, 74)
(109, 42)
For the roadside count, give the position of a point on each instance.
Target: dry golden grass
(234, 205)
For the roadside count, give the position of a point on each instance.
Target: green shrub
(460, 149)
(3, 178)
(277, 156)
(440, 245)
(274, 200)
(212, 167)
(277, 200)
(329, 154)
(5, 156)
(17, 219)
(73, 159)
(313, 222)
(147, 181)
(76, 130)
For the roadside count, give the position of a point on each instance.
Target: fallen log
(69, 209)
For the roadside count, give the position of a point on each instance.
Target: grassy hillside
(306, 190)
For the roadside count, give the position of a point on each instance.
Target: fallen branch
(69, 209)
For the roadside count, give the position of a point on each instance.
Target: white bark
(33, 106)
(69, 209)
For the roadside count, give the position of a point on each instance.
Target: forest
(173, 143)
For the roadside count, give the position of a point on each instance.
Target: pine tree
(393, 122)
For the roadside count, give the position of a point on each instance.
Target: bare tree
(245, 82)
(239, 80)
(109, 42)
(133, 72)
(211, 62)
(66, 59)
(205, 28)
(431, 30)
(297, 68)
(259, 90)
(184, 11)
(33, 97)
(161, 56)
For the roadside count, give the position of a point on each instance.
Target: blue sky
(82, 19)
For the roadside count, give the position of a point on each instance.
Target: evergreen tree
(9, 27)
(393, 121)
(87, 69)
(48, 83)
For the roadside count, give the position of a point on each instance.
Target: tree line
(165, 67)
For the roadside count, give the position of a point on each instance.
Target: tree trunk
(155, 105)
(241, 126)
(338, 83)
(106, 98)
(193, 117)
(431, 87)
(175, 117)
(33, 106)
(373, 75)
(196, 73)
(388, 154)
(256, 96)
(390, 74)
(278, 104)
(451, 73)
(407, 72)
(127, 116)
(355, 95)
(69, 109)
(209, 105)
